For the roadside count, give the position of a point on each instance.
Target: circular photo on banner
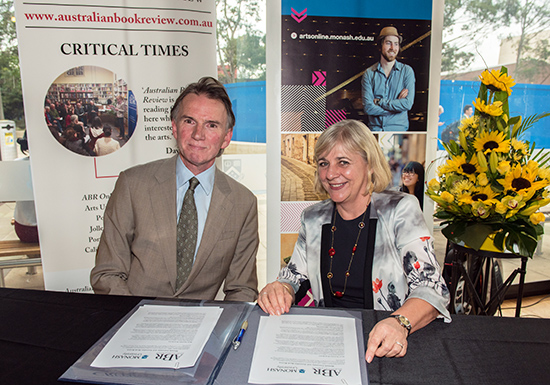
(90, 111)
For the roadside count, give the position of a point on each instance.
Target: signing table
(43, 333)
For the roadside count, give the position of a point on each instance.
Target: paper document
(306, 349)
(160, 337)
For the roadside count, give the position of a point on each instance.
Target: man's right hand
(276, 298)
(403, 94)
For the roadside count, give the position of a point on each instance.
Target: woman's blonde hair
(355, 136)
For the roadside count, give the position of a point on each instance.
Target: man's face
(469, 111)
(390, 48)
(201, 131)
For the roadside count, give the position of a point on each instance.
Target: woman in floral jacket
(365, 247)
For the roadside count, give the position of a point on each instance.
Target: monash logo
(283, 370)
(126, 356)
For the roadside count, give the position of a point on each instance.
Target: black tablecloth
(43, 333)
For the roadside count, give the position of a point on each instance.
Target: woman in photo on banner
(412, 178)
(365, 247)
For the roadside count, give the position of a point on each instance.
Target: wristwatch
(403, 321)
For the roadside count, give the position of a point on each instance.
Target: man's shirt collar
(206, 178)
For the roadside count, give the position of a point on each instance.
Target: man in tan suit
(137, 251)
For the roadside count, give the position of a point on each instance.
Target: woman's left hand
(386, 339)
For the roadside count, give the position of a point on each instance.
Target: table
(43, 333)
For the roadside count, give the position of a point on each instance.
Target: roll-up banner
(124, 62)
(326, 50)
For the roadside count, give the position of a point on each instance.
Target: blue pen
(237, 340)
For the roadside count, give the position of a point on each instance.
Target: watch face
(404, 321)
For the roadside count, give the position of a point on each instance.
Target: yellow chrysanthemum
(497, 81)
(494, 109)
(461, 186)
(443, 169)
(523, 180)
(492, 141)
(537, 218)
(464, 167)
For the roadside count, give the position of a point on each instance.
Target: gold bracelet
(286, 286)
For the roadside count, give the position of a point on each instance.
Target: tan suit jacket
(137, 251)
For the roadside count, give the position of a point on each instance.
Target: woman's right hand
(276, 298)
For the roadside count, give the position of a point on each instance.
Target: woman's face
(409, 179)
(344, 175)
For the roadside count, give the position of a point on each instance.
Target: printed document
(158, 336)
(306, 349)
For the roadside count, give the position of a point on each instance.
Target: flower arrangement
(493, 183)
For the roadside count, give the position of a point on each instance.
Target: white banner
(131, 59)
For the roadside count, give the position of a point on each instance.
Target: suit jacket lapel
(163, 201)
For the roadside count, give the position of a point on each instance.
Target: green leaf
(482, 94)
(471, 234)
(529, 122)
(498, 241)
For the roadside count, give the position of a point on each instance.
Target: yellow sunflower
(443, 169)
(494, 109)
(471, 122)
(523, 180)
(518, 145)
(485, 194)
(497, 81)
(468, 168)
(464, 198)
(492, 141)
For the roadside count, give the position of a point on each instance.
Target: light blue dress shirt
(391, 114)
(203, 193)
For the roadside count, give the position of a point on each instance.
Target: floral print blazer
(404, 264)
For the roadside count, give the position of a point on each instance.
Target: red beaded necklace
(332, 252)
